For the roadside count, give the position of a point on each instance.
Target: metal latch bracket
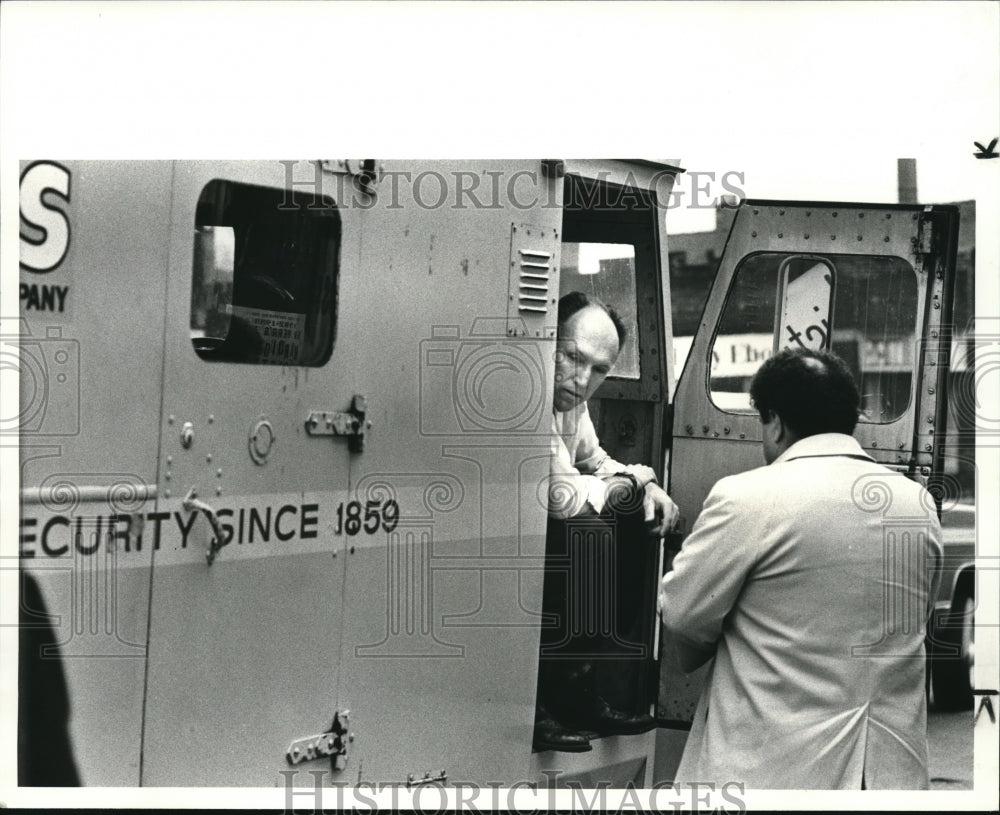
(351, 423)
(333, 743)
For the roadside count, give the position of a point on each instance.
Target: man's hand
(642, 474)
(660, 511)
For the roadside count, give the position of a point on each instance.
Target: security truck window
(864, 308)
(606, 271)
(745, 336)
(264, 281)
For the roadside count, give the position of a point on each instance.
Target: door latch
(333, 743)
(351, 423)
(191, 504)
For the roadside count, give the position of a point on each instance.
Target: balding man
(809, 581)
(601, 512)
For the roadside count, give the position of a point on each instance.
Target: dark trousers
(593, 593)
(44, 753)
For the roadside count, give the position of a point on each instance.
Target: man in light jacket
(810, 582)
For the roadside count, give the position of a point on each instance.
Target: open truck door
(614, 249)
(871, 283)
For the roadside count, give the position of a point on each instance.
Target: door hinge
(925, 230)
(351, 423)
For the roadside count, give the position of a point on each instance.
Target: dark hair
(570, 304)
(812, 391)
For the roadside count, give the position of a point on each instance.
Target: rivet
(218, 473)
(859, 237)
(715, 434)
(808, 213)
(194, 492)
(725, 430)
(861, 215)
(170, 459)
(218, 490)
(704, 428)
(914, 216)
(930, 419)
(888, 215)
(900, 445)
(170, 419)
(166, 493)
(753, 234)
(781, 212)
(208, 458)
(937, 304)
(886, 239)
(335, 554)
(833, 237)
(167, 476)
(835, 215)
(781, 235)
(211, 418)
(806, 236)
(352, 550)
(874, 444)
(743, 435)
(756, 212)
(688, 429)
(934, 334)
(928, 447)
(930, 390)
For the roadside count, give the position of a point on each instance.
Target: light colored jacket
(811, 580)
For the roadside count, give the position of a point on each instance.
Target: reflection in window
(782, 300)
(606, 271)
(875, 326)
(745, 337)
(264, 278)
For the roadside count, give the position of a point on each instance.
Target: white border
(826, 94)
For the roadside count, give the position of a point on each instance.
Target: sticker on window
(280, 333)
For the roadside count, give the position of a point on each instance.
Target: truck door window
(264, 278)
(745, 336)
(862, 307)
(606, 271)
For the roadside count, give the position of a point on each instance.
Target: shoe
(550, 735)
(579, 706)
(598, 716)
